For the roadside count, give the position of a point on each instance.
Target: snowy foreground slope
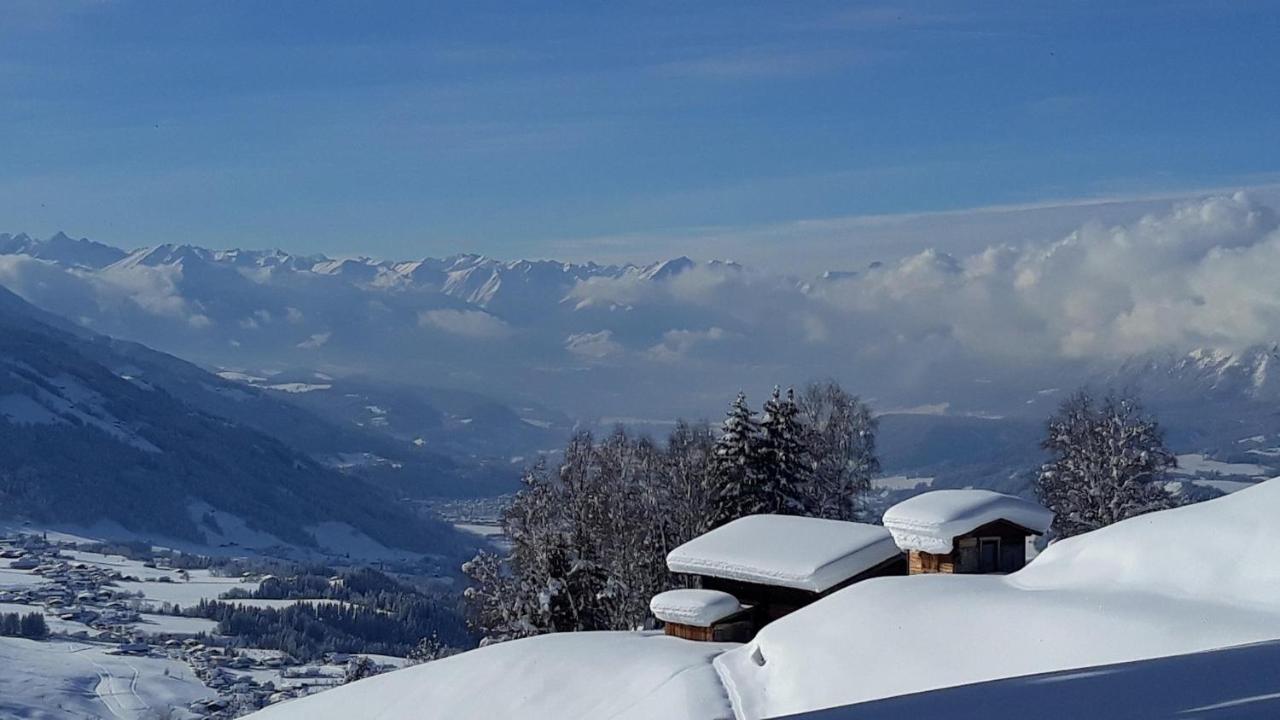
(1169, 584)
(1180, 581)
(623, 676)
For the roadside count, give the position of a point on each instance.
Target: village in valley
(123, 618)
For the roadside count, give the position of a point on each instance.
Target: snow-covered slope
(583, 676)
(1182, 581)
(1237, 683)
(65, 680)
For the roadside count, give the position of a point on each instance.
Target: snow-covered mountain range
(658, 340)
(972, 351)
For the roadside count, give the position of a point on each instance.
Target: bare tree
(842, 446)
(1109, 463)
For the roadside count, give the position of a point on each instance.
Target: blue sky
(598, 129)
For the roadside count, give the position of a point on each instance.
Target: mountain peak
(667, 268)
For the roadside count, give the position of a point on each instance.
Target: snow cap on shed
(805, 553)
(931, 521)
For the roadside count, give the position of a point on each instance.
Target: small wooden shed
(965, 531)
(776, 564)
(707, 615)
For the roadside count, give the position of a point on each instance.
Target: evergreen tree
(736, 466)
(786, 467)
(1109, 463)
(33, 626)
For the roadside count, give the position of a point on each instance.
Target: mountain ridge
(90, 433)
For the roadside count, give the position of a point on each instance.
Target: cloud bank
(680, 337)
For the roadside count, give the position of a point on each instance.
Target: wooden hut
(776, 564)
(965, 531)
(708, 615)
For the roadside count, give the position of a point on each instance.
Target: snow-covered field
(901, 482)
(1174, 585)
(1195, 464)
(202, 586)
(74, 681)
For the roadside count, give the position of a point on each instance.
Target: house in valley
(965, 531)
(758, 568)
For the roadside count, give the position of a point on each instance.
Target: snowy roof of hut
(931, 521)
(699, 608)
(797, 552)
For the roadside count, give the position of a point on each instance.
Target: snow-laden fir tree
(841, 439)
(1108, 463)
(786, 465)
(735, 465)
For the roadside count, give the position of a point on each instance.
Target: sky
(799, 135)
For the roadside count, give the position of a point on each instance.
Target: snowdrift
(1180, 581)
(577, 676)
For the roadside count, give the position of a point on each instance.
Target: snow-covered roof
(797, 552)
(699, 608)
(931, 521)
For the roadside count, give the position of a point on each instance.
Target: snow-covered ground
(900, 482)
(74, 681)
(1195, 464)
(202, 586)
(580, 676)
(1171, 585)
(1233, 684)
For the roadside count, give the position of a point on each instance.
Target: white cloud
(678, 344)
(157, 292)
(1202, 274)
(593, 345)
(466, 323)
(316, 341)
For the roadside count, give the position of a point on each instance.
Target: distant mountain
(1206, 374)
(511, 330)
(95, 429)
(60, 248)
